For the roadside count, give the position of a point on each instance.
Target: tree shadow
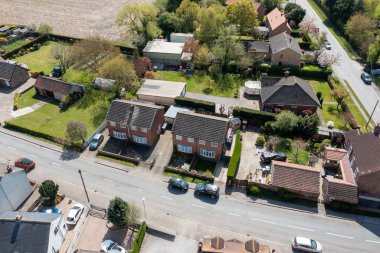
(68, 155)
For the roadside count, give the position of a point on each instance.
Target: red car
(25, 163)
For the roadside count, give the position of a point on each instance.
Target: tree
(48, 189)
(168, 22)
(271, 4)
(339, 94)
(347, 118)
(286, 122)
(210, 22)
(142, 65)
(298, 144)
(343, 10)
(172, 5)
(139, 21)
(307, 26)
(244, 63)
(44, 29)
(203, 59)
(76, 131)
(374, 51)
(308, 125)
(327, 58)
(243, 15)
(294, 12)
(91, 52)
(273, 142)
(133, 214)
(187, 13)
(161, 5)
(121, 70)
(60, 53)
(117, 212)
(360, 30)
(192, 46)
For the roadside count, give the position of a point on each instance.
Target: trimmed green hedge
(305, 45)
(136, 246)
(253, 114)
(232, 166)
(301, 72)
(16, 102)
(195, 103)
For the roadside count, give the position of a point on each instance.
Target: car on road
(74, 214)
(328, 45)
(304, 244)
(25, 163)
(367, 79)
(178, 183)
(54, 210)
(110, 246)
(208, 189)
(96, 141)
(267, 157)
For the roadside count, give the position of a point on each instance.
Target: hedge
(25, 46)
(195, 103)
(305, 45)
(246, 113)
(136, 246)
(295, 33)
(16, 102)
(232, 166)
(301, 72)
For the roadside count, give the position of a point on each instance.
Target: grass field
(323, 87)
(303, 155)
(29, 98)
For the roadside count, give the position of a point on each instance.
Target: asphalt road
(347, 69)
(185, 213)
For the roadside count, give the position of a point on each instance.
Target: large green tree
(168, 22)
(294, 12)
(48, 189)
(286, 122)
(360, 30)
(243, 15)
(271, 4)
(187, 13)
(117, 212)
(210, 22)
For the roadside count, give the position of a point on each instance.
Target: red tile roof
(335, 154)
(341, 156)
(276, 18)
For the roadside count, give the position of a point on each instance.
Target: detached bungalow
(161, 92)
(200, 134)
(277, 23)
(12, 75)
(285, 50)
(57, 88)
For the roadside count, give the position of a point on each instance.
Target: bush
(260, 141)
(305, 45)
(194, 103)
(253, 190)
(234, 162)
(16, 102)
(117, 212)
(253, 114)
(295, 33)
(136, 246)
(48, 189)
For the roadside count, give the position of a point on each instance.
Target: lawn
(16, 44)
(303, 155)
(38, 61)
(322, 86)
(224, 87)
(29, 98)
(205, 168)
(188, 179)
(331, 113)
(358, 116)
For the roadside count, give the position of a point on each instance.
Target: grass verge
(186, 178)
(115, 160)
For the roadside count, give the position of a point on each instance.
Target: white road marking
(270, 222)
(33, 156)
(105, 179)
(135, 188)
(166, 197)
(307, 229)
(344, 236)
(234, 214)
(372, 241)
(198, 206)
(11, 147)
(57, 164)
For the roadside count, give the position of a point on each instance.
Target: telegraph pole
(84, 186)
(371, 114)
(143, 200)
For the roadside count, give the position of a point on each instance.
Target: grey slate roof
(200, 126)
(283, 41)
(31, 235)
(133, 113)
(8, 69)
(55, 85)
(258, 46)
(290, 91)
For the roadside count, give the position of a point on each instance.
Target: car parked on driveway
(208, 189)
(367, 79)
(25, 163)
(110, 246)
(178, 183)
(304, 244)
(74, 214)
(267, 157)
(328, 45)
(96, 141)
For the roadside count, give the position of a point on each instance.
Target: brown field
(76, 18)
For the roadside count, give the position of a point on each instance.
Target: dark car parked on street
(178, 183)
(208, 189)
(367, 79)
(267, 157)
(96, 141)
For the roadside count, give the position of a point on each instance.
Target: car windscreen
(313, 244)
(70, 218)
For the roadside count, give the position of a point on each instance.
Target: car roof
(97, 136)
(25, 160)
(211, 187)
(303, 241)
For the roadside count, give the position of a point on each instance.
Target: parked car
(306, 245)
(74, 214)
(96, 141)
(208, 189)
(54, 210)
(178, 183)
(367, 79)
(110, 246)
(25, 163)
(267, 157)
(328, 45)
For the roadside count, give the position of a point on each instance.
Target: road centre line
(166, 197)
(105, 179)
(372, 241)
(234, 214)
(33, 156)
(57, 164)
(270, 222)
(338, 235)
(198, 206)
(11, 147)
(135, 188)
(307, 229)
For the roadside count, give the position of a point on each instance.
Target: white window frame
(140, 139)
(184, 148)
(214, 144)
(133, 128)
(178, 137)
(123, 125)
(144, 130)
(119, 135)
(207, 153)
(202, 142)
(112, 123)
(189, 139)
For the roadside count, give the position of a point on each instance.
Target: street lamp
(84, 186)
(143, 200)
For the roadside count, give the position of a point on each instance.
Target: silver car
(306, 245)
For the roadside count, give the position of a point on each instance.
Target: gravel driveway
(77, 18)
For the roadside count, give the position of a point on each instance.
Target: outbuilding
(164, 53)
(161, 92)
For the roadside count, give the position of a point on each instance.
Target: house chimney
(376, 130)
(18, 218)
(286, 73)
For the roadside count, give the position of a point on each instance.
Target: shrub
(253, 114)
(234, 162)
(150, 75)
(194, 103)
(117, 212)
(48, 189)
(253, 190)
(16, 102)
(319, 94)
(260, 141)
(136, 246)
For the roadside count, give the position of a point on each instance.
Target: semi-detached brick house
(135, 121)
(200, 134)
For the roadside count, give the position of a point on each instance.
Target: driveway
(248, 160)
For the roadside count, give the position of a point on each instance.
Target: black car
(267, 157)
(178, 183)
(208, 189)
(367, 79)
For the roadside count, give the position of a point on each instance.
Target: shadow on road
(207, 199)
(176, 191)
(68, 155)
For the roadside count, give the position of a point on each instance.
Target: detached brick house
(277, 23)
(135, 121)
(285, 50)
(12, 75)
(200, 134)
(288, 93)
(57, 88)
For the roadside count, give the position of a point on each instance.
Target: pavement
(348, 70)
(190, 215)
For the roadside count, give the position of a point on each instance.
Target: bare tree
(273, 141)
(59, 53)
(298, 144)
(327, 58)
(307, 25)
(76, 131)
(133, 215)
